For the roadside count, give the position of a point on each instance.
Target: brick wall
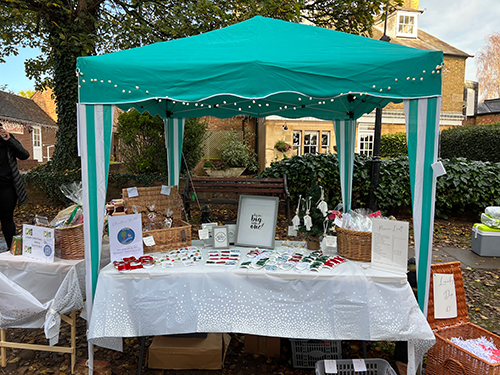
(453, 84)
(45, 101)
(486, 119)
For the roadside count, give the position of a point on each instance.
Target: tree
(488, 68)
(65, 30)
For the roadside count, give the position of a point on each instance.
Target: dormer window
(407, 24)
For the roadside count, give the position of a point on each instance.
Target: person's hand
(3, 133)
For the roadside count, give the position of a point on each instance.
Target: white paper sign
(338, 222)
(331, 241)
(330, 366)
(445, 299)
(291, 231)
(359, 365)
(390, 245)
(438, 169)
(38, 243)
(165, 190)
(132, 192)
(203, 234)
(149, 241)
(125, 236)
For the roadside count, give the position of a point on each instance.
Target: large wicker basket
(354, 245)
(69, 242)
(445, 358)
(179, 235)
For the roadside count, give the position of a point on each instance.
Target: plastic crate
(307, 352)
(374, 366)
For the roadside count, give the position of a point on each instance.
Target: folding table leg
(143, 344)
(3, 350)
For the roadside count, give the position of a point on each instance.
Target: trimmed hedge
(480, 142)
(393, 145)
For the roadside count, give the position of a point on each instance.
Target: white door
(37, 144)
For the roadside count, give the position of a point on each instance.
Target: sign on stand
(125, 236)
(390, 245)
(38, 243)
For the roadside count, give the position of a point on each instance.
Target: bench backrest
(237, 185)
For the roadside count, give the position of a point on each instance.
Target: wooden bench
(226, 190)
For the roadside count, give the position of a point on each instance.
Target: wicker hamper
(354, 245)
(69, 242)
(444, 357)
(165, 239)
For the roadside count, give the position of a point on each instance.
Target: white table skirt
(351, 302)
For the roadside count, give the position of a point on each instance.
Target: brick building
(31, 125)
(488, 112)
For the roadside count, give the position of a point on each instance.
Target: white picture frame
(220, 237)
(256, 223)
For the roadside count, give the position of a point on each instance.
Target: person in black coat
(12, 188)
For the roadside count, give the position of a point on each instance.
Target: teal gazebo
(262, 67)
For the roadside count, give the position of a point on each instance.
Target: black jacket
(15, 150)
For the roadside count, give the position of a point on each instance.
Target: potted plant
(235, 157)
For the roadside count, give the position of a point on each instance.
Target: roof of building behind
(15, 107)
(489, 106)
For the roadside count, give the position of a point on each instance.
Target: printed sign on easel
(38, 243)
(125, 236)
(390, 245)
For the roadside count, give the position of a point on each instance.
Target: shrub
(393, 145)
(236, 152)
(480, 142)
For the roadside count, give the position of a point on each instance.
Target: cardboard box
(268, 346)
(180, 353)
(485, 240)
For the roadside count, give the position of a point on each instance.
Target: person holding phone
(12, 188)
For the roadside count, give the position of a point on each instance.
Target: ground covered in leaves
(482, 288)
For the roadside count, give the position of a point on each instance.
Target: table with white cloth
(36, 294)
(352, 301)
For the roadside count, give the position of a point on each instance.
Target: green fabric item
(261, 67)
(485, 228)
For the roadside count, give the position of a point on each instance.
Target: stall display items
(187, 256)
(68, 233)
(17, 245)
(161, 210)
(446, 357)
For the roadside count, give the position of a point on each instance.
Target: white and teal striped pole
(345, 138)
(174, 133)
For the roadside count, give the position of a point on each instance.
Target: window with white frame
(325, 141)
(311, 142)
(407, 24)
(297, 141)
(365, 142)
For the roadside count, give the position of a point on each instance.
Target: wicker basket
(445, 358)
(354, 245)
(165, 239)
(69, 243)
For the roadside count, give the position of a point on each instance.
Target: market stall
(263, 67)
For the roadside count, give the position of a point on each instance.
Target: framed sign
(256, 223)
(221, 237)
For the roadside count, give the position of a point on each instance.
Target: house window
(325, 142)
(365, 142)
(311, 142)
(297, 142)
(407, 24)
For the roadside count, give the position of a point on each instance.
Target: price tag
(149, 241)
(165, 190)
(203, 234)
(132, 192)
(330, 366)
(331, 241)
(359, 365)
(338, 222)
(291, 231)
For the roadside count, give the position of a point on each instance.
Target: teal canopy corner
(263, 67)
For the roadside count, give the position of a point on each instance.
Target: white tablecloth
(351, 302)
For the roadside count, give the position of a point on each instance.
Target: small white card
(149, 241)
(165, 190)
(445, 299)
(438, 169)
(203, 234)
(330, 366)
(292, 232)
(331, 241)
(359, 365)
(132, 192)
(338, 222)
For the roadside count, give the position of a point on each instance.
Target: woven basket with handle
(354, 245)
(179, 235)
(69, 242)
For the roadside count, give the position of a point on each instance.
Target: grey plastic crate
(374, 366)
(307, 352)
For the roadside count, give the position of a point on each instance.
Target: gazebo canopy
(262, 67)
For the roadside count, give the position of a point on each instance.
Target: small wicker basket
(179, 235)
(354, 245)
(445, 358)
(69, 243)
